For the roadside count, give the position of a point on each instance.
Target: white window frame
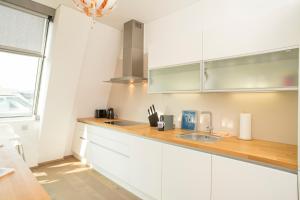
(39, 55)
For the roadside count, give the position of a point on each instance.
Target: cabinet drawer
(81, 130)
(109, 144)
(80, 126)
(110, 161)
(108, 134)
(79, 141)
(79, 146)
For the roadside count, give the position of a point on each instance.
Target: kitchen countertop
(278, 155)
(20, 185)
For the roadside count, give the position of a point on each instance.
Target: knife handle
(153, 108)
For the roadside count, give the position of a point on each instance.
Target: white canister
(245, 126)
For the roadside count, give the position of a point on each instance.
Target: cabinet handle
(82, 138)
(109, 149)
(205, 74)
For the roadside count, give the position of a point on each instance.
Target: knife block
(153, 119)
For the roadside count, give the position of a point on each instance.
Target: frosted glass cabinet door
(268, 71)
(175, 79)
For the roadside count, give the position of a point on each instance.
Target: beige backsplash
(274, 114)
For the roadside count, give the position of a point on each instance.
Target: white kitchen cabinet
(269, 71)
(236, 180)
(176, 38)
(213, 29)
(145, 167)
(114, 163)
(186, 174)
(157, 171)
(108, 150)
(79, 146)
(179, 78)
(235, 27)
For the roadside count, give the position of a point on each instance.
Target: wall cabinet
(181, 78)
(268, 71)
(215, 29)
(236, 180)
(175, 39)
(234, 27)
(145, 165)
(186, 174)
(233, 48)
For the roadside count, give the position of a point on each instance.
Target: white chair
(8, 136)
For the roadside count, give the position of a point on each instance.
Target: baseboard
(52, 161)
(69, 156)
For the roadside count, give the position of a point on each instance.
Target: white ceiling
(141, 10)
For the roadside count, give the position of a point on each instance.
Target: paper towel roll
(245, 126)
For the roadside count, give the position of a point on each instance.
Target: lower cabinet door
(102, 158)
(238, 180)
(79, 145)
(186, 174)
(145, 167)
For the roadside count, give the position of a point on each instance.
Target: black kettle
(110, 113)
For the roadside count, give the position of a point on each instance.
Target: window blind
(22, 31)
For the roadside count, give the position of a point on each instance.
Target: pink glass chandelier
(95, 8)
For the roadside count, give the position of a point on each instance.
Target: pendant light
(95, 8)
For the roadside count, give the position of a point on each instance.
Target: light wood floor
(70, 180)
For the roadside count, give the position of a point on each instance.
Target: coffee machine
(110, 113)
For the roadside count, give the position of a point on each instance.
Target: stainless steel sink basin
(199, 137)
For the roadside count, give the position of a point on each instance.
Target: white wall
(70, 35)
(99, 64)
(79, 59)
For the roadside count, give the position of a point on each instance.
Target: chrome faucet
(206, 122)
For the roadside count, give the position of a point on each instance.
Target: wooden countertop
(20, 185)
(279, 155)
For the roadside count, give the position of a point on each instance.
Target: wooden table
(21, 185)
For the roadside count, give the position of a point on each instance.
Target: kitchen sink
(199, 137)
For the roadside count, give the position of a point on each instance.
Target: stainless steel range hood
(133, 54)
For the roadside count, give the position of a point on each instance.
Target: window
(22, 43)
